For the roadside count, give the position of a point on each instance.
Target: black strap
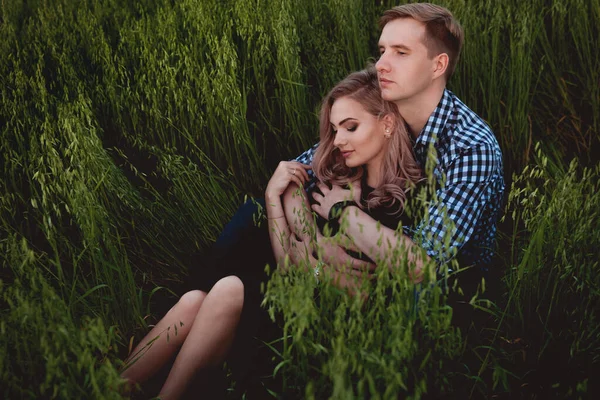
(335, 212)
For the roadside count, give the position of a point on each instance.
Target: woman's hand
(286, 172)
(325, 201)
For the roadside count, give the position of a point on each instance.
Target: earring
(387, 133)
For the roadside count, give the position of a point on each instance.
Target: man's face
(404, 67)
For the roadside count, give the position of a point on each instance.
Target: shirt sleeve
(307, 158)
(450, 219)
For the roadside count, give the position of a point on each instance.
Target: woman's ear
(388, 123)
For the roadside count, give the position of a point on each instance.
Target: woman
(363, 143)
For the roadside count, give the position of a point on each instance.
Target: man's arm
(474, 181)
(380, 242)
(367, 234)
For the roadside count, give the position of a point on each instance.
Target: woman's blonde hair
(400, 170)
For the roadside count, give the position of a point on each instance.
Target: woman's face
(359, 135)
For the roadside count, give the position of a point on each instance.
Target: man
(419, 47)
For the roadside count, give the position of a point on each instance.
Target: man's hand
(332, 253)
(346, 281)
(348, 278)
(325, 201)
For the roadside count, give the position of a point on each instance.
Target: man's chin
(390, 96)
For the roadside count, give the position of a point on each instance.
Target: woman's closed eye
(352, 128)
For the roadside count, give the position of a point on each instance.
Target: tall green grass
(47, 349)
(390, 339)
(528, 70)
(130, 131)
(553, 299)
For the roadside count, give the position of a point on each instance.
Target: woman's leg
(210, 336)
(158, 346)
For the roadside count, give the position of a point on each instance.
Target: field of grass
(130, 131)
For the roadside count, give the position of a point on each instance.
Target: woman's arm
(279, 232)
(301, 222)
(287, 172)
(306, 240)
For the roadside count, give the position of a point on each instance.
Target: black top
(390, 216)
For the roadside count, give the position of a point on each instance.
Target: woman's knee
(190, 302)
(231, 292)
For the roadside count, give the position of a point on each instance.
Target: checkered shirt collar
(436, 123)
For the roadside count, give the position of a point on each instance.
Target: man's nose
(382, 65)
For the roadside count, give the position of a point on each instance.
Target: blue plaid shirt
(467, 163)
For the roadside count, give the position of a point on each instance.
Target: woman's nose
(339, 140)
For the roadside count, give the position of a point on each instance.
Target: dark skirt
(244, 250)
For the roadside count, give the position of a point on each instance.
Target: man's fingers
(348, 262)
(363, 266)
(357, 267)
(333, 253)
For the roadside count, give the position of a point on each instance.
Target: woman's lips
(384, 82)
(346, 154)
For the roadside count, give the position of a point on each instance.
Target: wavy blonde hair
(400, 170)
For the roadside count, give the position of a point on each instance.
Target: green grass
(130, 131)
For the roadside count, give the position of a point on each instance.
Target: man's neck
(417, 110)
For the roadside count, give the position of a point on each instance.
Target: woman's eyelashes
(352, 128)
(349, 128)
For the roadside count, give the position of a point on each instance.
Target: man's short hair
(443, 33)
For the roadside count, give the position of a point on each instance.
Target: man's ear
(441, 65)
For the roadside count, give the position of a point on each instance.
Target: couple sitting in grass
(380, 129)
